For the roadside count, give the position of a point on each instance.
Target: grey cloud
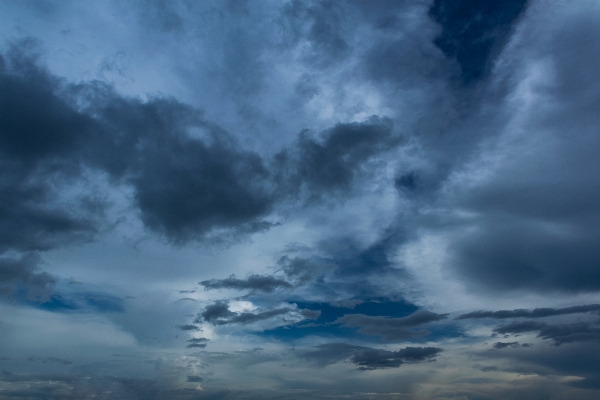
(194, 378)
(38, 131)
(184, 186)
(188, 327)
(263, 283)
(351, 303)
(547, 185)
(310, 314)
(330, 353)
(560, 334)
(197, 343)
(45, 360)
(377, 359)
(303, 270)
(367, 358)
(535, 313)
(391, 329)
(219, 314)
(321, 25)
(314, 168)
(23, 273)
(504, 345)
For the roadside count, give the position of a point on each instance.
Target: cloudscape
(300, 199)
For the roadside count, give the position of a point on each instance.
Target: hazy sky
(300, 199)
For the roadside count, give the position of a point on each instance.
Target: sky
(300, 199)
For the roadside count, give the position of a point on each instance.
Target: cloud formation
(254, 282)
(391, 329)
(366, 358)
(535, 313)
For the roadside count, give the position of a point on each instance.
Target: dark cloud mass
(562, 333)
(184, 186)
(254, 282)
(366, 358)
(23, 274)
(536, 313)
(219, 314)
(391, 329)
(316, 167)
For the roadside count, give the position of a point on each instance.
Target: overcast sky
(300, 199)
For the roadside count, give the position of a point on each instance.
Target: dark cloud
(194, 378)
(45, 360)
(23, 274)
(391, 329)
(315, 168)
(535, 313)
(263, 283)
(473, 30)
(219, 314)
(549, 185)
(38, 132)
(504, 345)
(188, 327)
(376, 359)
(310, 314)
(189, 176)
(197, 343)
(367, 358)
(560, 334)
(302, 270)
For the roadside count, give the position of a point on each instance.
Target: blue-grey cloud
(23, 274)
(218, 313)
(560, 333)
(262, 283)
(367, 358)
(391, 329)
(535, 313)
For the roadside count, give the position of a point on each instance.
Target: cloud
(560, 334)
(535, 313)
(390, 329)
(315, 168)
(218, 313)
(23, 274)
(197, 342)
(367, 358)
(263, 283)
(535, 218)
(310, 314)
(188, 327)
(194, 378)
(45, 360)
(504, 345)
